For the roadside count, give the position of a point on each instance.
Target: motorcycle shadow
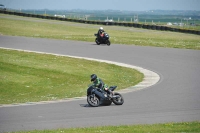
(88, 106)
(100, 44)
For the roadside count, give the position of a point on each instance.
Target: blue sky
(130, 5)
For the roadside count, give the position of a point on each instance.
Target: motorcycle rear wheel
(93, 101)
(119, 100)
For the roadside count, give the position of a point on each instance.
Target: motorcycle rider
(99, 84)
(100, 33)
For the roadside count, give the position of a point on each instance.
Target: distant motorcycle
(95, 100)
(102, 40)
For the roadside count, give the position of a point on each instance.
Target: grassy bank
(30, 77)
(184, 127)
(32, 27)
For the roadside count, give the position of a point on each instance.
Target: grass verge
(31, 77)
(184, 127)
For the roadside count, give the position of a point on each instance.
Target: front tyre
(97, 42)
(108, 42)
(93, 100)
(117, 99)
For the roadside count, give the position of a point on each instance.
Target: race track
(175, 98)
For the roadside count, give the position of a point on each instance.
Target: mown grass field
(32, 27)
(30, 77)
(184, 127)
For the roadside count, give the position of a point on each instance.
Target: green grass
(184, 127)
(30, 77)
(32, 27)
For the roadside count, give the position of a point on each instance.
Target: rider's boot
(110, 93)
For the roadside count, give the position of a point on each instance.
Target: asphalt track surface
(175, 98)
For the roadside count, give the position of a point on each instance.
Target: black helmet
(93, 77)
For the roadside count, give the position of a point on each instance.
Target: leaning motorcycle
(102, 40)
(95, 100)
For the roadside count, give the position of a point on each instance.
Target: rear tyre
(93, 101)
(119, 100)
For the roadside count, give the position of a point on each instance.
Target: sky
(128, 5)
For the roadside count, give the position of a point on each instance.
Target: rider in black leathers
(99, 84)
(100, 33)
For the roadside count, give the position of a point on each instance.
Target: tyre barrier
(48, 17)
(193, 32)
(37, 16)
(157, 27)
(148, 26)
(139, 25)
(144, 26)
(118, 24)
(177, 30)
(162, 28)
(167, 28)
(21, 14)
(10, 13)
(196, 32)
(107, 23)
(16, 13)
(125, 24)
(114, 23)
(136, 25)
(153, 27)
(121, 24)
(171, 29)
(184, 30)
(130, 24)
(81, 21)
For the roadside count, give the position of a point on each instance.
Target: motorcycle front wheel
(97, 42)
(108, 42)
(93, 100)
(117, 99)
